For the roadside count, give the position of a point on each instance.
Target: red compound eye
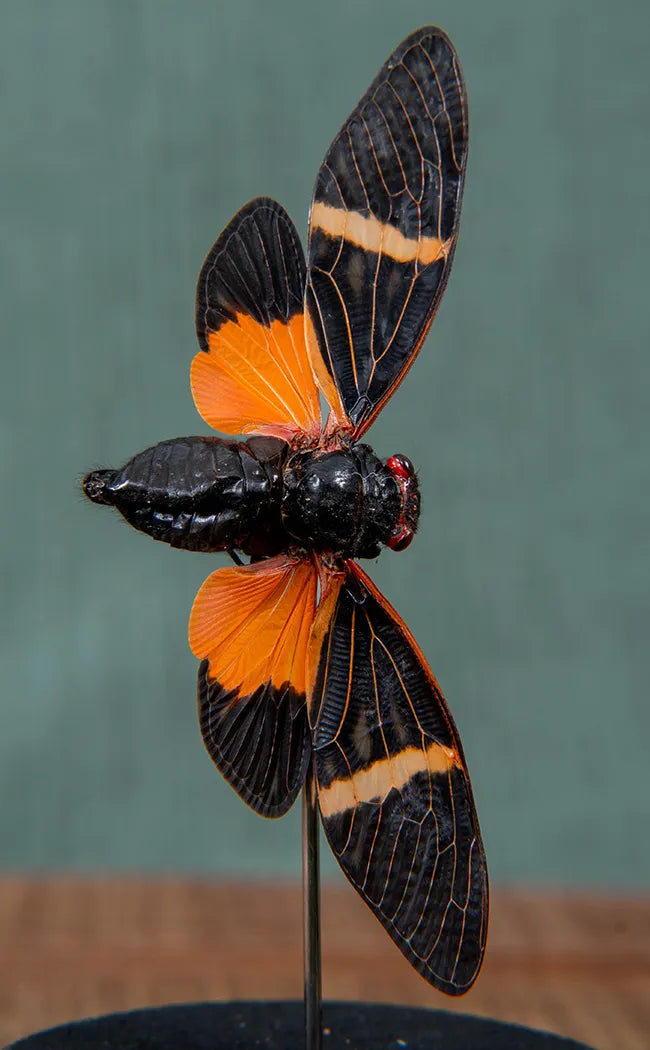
(400, 467)
(399, 541)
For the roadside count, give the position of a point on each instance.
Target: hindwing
(250, 628)
(254, 374)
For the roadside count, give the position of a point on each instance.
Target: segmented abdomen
(201, 494)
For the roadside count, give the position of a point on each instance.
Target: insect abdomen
(201, 494)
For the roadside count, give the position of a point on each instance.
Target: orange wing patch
(252, 624)
(257, 379)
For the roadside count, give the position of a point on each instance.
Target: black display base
(279, 1026)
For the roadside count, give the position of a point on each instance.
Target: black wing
(383, 226)
(394, 793)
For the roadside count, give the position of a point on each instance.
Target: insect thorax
(345, 501)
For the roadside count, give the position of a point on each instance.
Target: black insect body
(302, 658)
(259, 497)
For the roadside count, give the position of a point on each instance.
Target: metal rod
(311, 914)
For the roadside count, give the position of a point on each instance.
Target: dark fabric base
(279, 1026)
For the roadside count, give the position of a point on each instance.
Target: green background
(131, 133)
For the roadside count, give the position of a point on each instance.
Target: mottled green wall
(131, 133)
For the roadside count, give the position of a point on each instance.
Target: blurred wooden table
(574, 964)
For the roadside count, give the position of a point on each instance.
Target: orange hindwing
(250, 628)
(253, 374)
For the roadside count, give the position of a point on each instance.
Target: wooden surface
(578, 965)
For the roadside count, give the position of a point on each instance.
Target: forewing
(383, 225)
(250, 627)
(394, 793)
(253, 374)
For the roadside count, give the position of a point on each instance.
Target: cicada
(302, 658)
